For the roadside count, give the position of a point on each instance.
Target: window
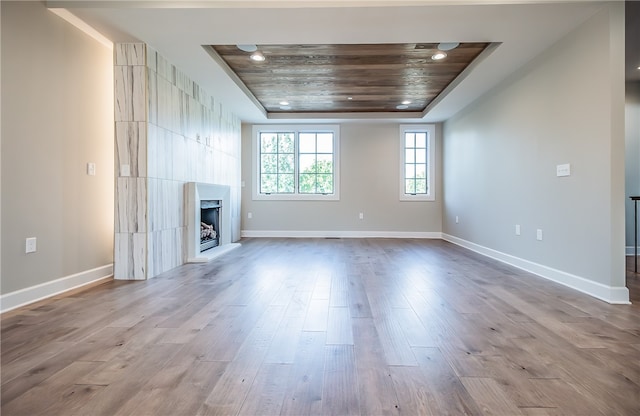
(417, 162)
(277, 174)
(296, 162)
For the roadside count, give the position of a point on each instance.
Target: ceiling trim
(291, 4)
(234, 77)
(344, 116)
(457, 80)
(80, 24)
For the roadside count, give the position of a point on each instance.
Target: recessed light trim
(349, 98)
(406, 102)
(402, 106)
(247, 48)
(284, 102)
(285, 107)
(257, 56)
(447, 46)
(438, 56)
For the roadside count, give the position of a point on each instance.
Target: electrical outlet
(539, 234)
(91, 169)
(249, 215)
(30, 246)
(457, 221)
(361, 216)
(517, 229)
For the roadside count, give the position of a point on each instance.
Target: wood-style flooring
(326, 326)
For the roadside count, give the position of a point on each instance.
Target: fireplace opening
(209, 224)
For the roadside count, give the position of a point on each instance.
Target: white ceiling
(178, 29)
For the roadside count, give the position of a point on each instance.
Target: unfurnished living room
(313, 207)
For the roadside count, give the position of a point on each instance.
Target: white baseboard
(614, 295)
(35, 293)
(629, 251)
(338, 234)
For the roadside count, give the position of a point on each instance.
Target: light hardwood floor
(326, 326)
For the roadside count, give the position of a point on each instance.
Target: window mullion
(278, 172)
(315, 158)
(296, 163)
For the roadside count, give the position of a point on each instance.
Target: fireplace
(208, 220)
(209, 224)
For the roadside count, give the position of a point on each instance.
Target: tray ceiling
(179, 29)
(347, 78)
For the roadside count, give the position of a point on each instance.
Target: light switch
(563, 170)
(517, 229)
(125, 170)
(91, 169)
(539, 234)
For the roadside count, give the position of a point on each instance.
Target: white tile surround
(197, 192)
(168, 132)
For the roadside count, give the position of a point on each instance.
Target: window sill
(417, 198)
(281, 197)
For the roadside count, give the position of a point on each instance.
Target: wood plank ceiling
(351, 78)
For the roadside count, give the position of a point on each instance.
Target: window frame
(430, 129)
(296, 129)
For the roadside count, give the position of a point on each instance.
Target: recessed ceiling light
(405, 102)
(349, 98)
(639, 67)
(438, 56)
(402, 106)
(447, 46)
(247, 48)
(257, 56)
(284, 102)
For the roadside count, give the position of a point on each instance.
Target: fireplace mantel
(196, 192)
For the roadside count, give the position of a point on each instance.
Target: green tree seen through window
(317, 178)
(277, 163)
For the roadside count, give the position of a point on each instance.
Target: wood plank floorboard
(326, 327)
(340, 390)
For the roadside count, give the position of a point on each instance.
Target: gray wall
(369, 166)
(632, 156)
(57, 91)
(500, 157)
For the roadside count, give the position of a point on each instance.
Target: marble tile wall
(129, 254)
(183, 135)
(130, 82)
(131, 205)
(131, 209)
(131, 145)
